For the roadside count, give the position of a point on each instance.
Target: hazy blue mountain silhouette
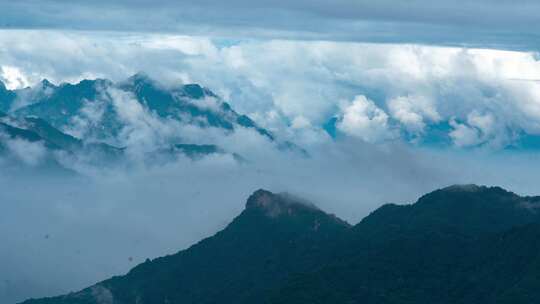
(60, 104)
(46, 113)
(7, 98)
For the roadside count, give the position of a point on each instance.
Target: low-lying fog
(62, 233)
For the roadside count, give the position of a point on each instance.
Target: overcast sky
(493, 23)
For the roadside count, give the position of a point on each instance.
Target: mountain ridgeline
(461, 244)
(103, 118)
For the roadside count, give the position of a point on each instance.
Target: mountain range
(460, 244)
(99, 116)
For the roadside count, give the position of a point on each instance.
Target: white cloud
(300, 122)
(276, 81)
(90, 116)
(480, 129)
(142, 131)
(13, 78)
(234, 57)
(30, 153)
(303, 132)
(210, 103)
(412, 111)
(485, 123)
(464, 135)
(363, 119)
(184, 44)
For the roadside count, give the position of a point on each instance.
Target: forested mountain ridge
(459, 244)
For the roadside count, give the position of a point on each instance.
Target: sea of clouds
(381, 91)
(64, 231)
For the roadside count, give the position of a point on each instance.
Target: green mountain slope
(273, 236)
(441, 249)
(462, 244)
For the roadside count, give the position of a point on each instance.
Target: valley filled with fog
(118, 147)
(83, 226)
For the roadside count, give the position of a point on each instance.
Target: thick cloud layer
(475, 97)
(509, 24)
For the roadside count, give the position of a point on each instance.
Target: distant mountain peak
(467, 209)
(274, 205)
(464, 188)
(90, 104)
(192, 90)
(93, 82)
(140, 75)
(260, 199)
(45, 83)
(196, 91)
(472, 189)
(140, 78)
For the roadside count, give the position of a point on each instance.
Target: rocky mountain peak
(275, 205)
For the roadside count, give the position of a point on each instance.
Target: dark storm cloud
(508, 24)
